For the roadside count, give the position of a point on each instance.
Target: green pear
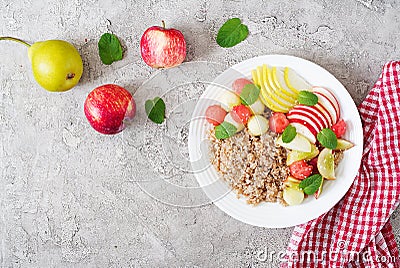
(56, 64)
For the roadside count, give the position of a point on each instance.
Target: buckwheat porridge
(276, 138)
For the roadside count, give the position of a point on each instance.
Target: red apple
(162, 47)
(107, 107)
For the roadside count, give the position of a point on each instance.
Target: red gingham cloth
(357, 232)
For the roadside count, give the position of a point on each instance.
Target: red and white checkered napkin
(357, 232)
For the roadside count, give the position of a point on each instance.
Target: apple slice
(324, 102)
(305, 119)
(315, 113)
(319, 191)
(329, 102)
(325, 113)
(299, 143)
(294, 81)
(330, 96)
(304, 130)
(313, 120)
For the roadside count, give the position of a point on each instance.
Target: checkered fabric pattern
(357, 231)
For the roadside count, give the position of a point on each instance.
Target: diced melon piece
(257, 125)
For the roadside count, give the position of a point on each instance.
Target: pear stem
(163, 24)
(15, 40)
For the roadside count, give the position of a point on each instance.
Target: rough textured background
(68, 195)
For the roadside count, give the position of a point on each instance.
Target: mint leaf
(311, 184)
(225, 130)
(288, 134)
(155, 110)
(327, 138)
(232, 33)
(110, 49)
(249, 94)
(307, 98)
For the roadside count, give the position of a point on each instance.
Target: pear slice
(344, 144)
(280, 80)
(299, 143)
(256, 79)
(293, 196)
(294, 81)
(271, 104)
(291, 182)
(268, 104)
(274, 91)
(280, 90)
(294, 156)
(260, 76)
(326, 164)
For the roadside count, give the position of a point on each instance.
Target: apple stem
(163, 24)
(15, 40)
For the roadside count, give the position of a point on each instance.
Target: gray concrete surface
(69, 196)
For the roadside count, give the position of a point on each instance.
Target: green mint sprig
(110, 49)
(225, 130)
(289, 134)
(327, 138)
(155, 110)
(311, 184)
(307, 98)
(232, 33)
(249, 94)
